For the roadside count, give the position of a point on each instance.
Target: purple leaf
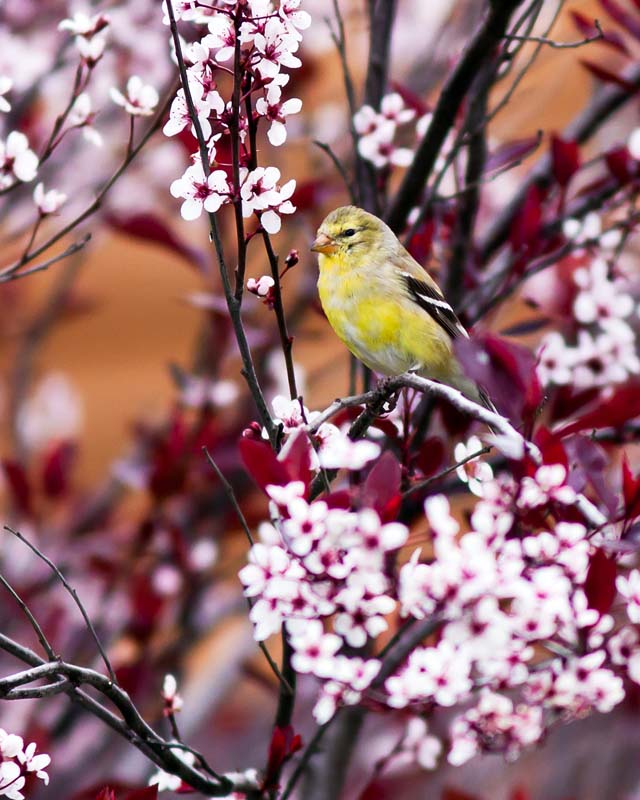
(565, 159)
(608, 77)
(381, 489)
(600, 585)
(621, 407)
(511, 152)
(628, 21)
(150, 228)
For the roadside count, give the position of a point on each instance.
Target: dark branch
(480, 48)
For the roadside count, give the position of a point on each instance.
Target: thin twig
(46, 645)
(417, 487)
(339, 167)
(231, 495)
(560, 45)
(11, 273)
(74, 595)
(606, 102)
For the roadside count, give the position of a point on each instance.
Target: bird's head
(349, 229)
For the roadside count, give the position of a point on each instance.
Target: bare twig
(231, 495)
(74, 595)
(46, 645)
(559, 45)
(417, 487)
(339, 167)
(11, 273)
(605, 103)
(469, 201)
(131, 725)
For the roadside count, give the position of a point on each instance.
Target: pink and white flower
(201, 192)
(140, 99)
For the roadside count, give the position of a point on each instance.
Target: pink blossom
(17, 160)
(555, 360)
(82, 116)
(81, 24)
(297, 19)
(5, 86)
(200, 191)
(378, 148)
(276, 111)
(629, 588)
(179, 117)
(140, 100)
(221, 37)
(274, 48)
(340, 452)
(313, 648)
(48, 202)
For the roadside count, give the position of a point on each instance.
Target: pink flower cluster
(17, 762)
(515, 635)
(265, 36)
(605, 348)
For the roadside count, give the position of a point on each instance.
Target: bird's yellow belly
(389, 337)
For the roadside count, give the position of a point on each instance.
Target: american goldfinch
(382, 303)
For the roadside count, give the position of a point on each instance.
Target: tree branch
(453, 92)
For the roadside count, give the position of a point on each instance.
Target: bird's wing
(427, 295)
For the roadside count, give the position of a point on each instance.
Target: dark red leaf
(381, 489)
(511, 152)
(411, 99)
(106, 794)
(506, 371)
(56, 468)
(621, 407)
(565, 159)
(261, 463)
(150, 228)
(18, 485)
(551, 447)
(146, 793)
(587, 28)
(339, 499)
(600, 585)
(296, 458)
(525, 226)
(629, 22)
(630, 491)
(589, 460)
(430, 457)
(420, 243)
(608, 77)
(620, 164)
(457, 794)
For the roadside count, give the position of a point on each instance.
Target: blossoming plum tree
(480, 623)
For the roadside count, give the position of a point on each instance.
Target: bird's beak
(324, 244)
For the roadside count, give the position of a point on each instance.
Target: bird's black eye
(349, 232)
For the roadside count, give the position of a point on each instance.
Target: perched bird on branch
(383, 305)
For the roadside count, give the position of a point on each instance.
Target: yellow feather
(364, 293)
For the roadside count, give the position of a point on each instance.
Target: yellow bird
(382, 303)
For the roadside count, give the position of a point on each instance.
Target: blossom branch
(12, 273)
(606, 102)
(453, 92)
(131, 725)
(599, 35)
(233, 305)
